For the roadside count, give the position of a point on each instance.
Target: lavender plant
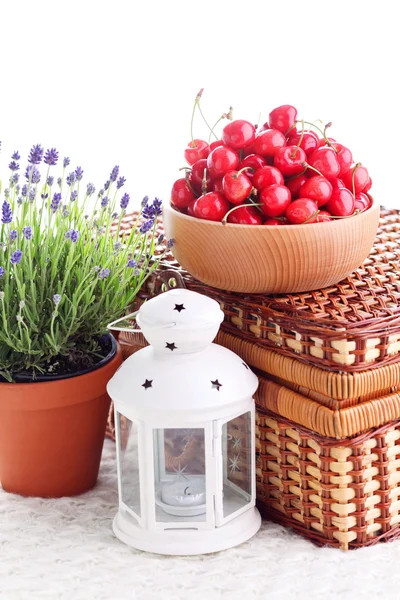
(65, 273)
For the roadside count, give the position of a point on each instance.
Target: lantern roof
(153, 382)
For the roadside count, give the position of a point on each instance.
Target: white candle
(184, 493)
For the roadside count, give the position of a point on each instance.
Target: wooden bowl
(271, 259)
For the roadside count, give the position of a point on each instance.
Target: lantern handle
(111, 326)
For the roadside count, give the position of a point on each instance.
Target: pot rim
(22, 379)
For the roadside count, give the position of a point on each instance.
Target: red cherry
(236, 186)
(341, 203)
(246, 215)
(221, 160)
(309, 143)
(301, 210)
(238, 134)
(337, 183)
(283, 117)
(217, 186)
(317, 188)
(322, 141)
(190, 209)
(268, 142)
(252, 160)
(272, 221)
(344, 158)
(181, 194)
(196, 150)
(197, 173)
(361, 201)
(290, 160)
(212, 206)
(216, 144)
(361, 177)
(294, 184)
(249, 149)
(324, 216)
(325, 161)
(265, 176)
(274, 200)
(367, 186)
(263, 127)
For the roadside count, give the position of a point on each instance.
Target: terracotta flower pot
(52, 433)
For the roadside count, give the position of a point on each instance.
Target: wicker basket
(349, 327)
(338, 493)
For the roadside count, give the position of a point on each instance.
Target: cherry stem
(224, 220)
(227, 115)
(196, 103)
(294, 153)
(243, 169)
(204, 182)
(311, 217)
(326, 138)
(189, 184)
(328, 143)
(353, 187)
(307, 166)
(250, 199)
(185, 169)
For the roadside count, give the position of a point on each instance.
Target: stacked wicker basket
(329, 394)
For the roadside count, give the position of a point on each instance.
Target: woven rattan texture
(349, 327)
(339, 493)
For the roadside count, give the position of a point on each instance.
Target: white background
(113, 82)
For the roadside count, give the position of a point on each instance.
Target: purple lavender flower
(13, 235)
(6, 213)
(136, 272)
(51, 157)
(2, 271)
(104, 273)
(71, 178)
(114, 215)
(19, 200)
(32, 194)
(104, 201)
(66, 162)
(90, 190)
(145, 201)
(114, 173)
(27, 232)
(57, 299)
(16, 155)
(13, 166)
(107, 185)
(15, 178)
(65, 212)
(36, 155)
(24, 190)
(132, 264)
(16, 257)
(124, 201)
(59, 181)
(74, 195)
(120, 182)
(17, 189)
(33, 173)
(160, 238)
(74, 235)
(151, 211)
(50, 180)
(7, 193)
(170, 243)
(78, 173)
(55, 203)
(147, 225)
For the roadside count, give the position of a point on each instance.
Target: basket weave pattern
(340, 493)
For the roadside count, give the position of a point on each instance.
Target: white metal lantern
(184, 417)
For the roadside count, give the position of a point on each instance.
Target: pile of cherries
(282, 173)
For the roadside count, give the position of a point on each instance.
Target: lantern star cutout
(216, 384)
(179, 307)
(237, 443)
(234, 466)
(180, 472)
(171, 346)
(147, 384)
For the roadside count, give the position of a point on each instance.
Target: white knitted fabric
(65, 549)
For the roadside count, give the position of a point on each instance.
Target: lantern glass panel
(129, 463)
(180, 476)
(237, 450)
